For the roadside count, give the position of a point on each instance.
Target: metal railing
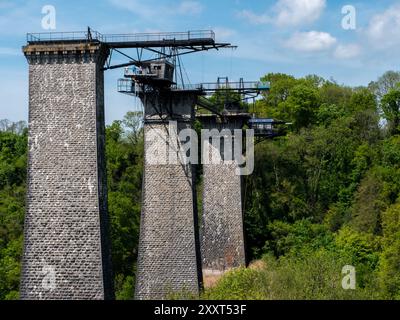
(127, 85)
(130, 87)
(64, 36)
(234, 86)
(163, 36)
(115, 38)
(247, 85)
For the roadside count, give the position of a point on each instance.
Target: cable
(230, 64)
(185, 73)
(202, 66)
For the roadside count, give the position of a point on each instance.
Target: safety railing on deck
(235, 86)
(163, 36)
(119, 38)
(127, 85)
(64, 36)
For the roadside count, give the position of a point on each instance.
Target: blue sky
(298, 37)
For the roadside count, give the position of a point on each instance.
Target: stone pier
(66, 249)
(221, 232)
(168, 257)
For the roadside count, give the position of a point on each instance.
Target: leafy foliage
(324, 196)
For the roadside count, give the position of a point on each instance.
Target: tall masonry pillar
(168, 257)
(221, 231)
(66, 250)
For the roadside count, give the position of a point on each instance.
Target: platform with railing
(234, 86)
(64, 37)
(127, 85)
(133, 40)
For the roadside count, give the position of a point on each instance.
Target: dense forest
(322, 197)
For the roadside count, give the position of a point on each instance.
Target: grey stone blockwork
(66, 249)
(221, 232)
(168, 259)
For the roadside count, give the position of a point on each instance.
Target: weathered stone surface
(222, 243)
(221, 232)
(66, 249)
(168, 258)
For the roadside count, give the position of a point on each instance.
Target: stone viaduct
(66, 244)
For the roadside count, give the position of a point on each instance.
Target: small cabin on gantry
(268, 128)
(152, 72)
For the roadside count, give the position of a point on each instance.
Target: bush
(239, 284)
(312, 275)
(389, 265)
(287, 237)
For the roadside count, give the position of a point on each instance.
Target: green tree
(389, 269)
(13, 147)
(124, 149)
(391, 109)
(385, 83)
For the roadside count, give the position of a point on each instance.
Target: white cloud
(347, 51)
(384, 28)
(297, 12)
(255, 18)
(223, 33)
(311, 41)
(288, 13)
(189, 8)
(152, 10)
(135, 6)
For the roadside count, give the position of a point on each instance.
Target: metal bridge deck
(127, 86)
(189, 39)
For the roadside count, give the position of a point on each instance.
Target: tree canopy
(324, 196)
